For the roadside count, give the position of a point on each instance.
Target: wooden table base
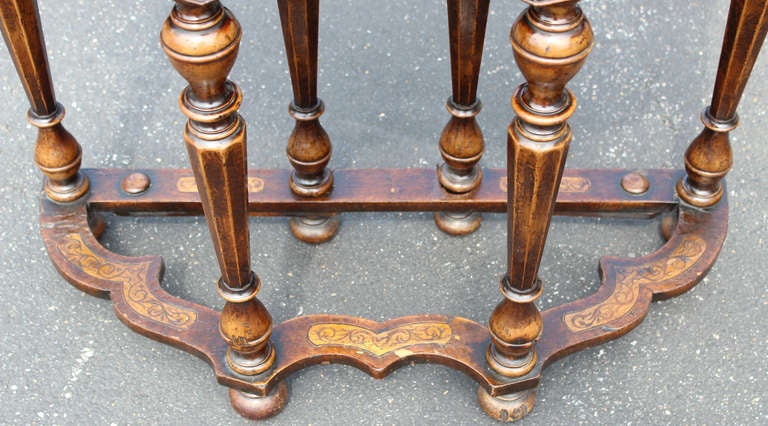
(621, 303)
(551, 40)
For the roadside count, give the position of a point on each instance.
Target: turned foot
(314, 229)
(461, 223)
(507, 408)
(256, 407)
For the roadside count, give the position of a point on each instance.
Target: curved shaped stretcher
(628, 287)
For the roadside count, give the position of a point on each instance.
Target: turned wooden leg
(57, 153)
(551, 40)
(709, 157)
(461, 143)
(201, 38)
(309, 147)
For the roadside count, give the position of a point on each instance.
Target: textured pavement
(384, 75)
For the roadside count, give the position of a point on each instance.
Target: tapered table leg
(57, 153)
(309, 147)
(709, 157)
(461, 143)
(551, 40)
(202, 38)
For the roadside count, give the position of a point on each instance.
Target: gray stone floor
(384, 74)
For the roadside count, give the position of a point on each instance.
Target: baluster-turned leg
(551, 41)
(201, 38)
(709, 157)
(461, 143)
(57, 153)
(309, 147)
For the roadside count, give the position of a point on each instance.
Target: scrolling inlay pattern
(187, 184)
(133, 276)
(570, 184)
(629, 280)
(394, 340)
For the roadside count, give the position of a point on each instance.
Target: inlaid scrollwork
(628, 282)
(133, 277)
(380, 343)
(187, 184)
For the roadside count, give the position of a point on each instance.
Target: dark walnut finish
(551, 40)
(620, 304)
(582, 193)
(309, 147)
(461, 143)
(709, 157)
(202, 38)
(57, 153)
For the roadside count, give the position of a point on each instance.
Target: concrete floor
(384, 75)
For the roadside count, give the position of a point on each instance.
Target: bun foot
(255, 407)
(507, 408)
(458, 223)
(314, 229)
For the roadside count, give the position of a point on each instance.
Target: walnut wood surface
(709, 157)
(23, 35)
(299, 20)
(582, 192)
(461, 143)
(551, 41)
(744, 35)
(309, 147)
(202, 39)
(57, 153)
(538, 138)
(132, 283)
(630, 284)
(466, 26)
(216, 142)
